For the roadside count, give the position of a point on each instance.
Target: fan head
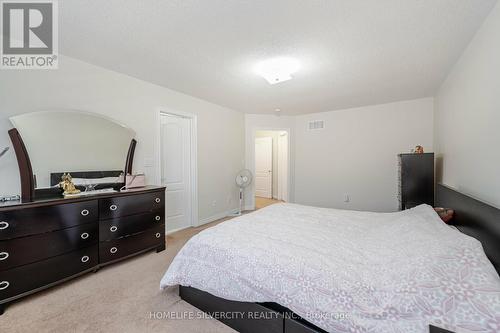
(244, 178)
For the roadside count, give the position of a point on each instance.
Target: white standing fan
(243, 179)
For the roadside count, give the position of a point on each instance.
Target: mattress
(347, 271)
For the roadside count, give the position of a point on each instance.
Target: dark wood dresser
(48, 241)
(416, 180)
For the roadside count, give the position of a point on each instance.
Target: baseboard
(175, 230)
(248, 207)
(217, 216)
(209, 219)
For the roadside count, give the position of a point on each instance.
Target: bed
(293, 268)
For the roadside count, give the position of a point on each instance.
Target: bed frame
(248, 317)
(472, 217)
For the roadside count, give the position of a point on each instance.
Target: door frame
(251, 162)
(282, 195)
(193, 155)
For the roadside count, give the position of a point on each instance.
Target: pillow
(446, 214)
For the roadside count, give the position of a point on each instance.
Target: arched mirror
(91, 147)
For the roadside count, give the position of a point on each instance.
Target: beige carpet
(118, 298)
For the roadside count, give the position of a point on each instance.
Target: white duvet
(347, 271)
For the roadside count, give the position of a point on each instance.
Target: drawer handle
(4, 285)
(157, 218)
(113, 250)
(85, 235)
(85, 212)
(4, 255)
(158, 235)
(113, 228)
(3, 225)
(113, 207)
(85, 259)
(157, 200)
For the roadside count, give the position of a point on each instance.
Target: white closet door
(175, 173)
(264, 167)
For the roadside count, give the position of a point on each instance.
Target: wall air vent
(316, 125)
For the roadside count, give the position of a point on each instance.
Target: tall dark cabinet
(416, 180)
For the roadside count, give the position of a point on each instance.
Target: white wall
(467, 118)
(79, 85)
(356, 153)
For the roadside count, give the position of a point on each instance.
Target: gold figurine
(67, 185)
(418, 150)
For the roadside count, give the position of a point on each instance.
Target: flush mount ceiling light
(277, 70)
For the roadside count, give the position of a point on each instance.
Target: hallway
(264, 202)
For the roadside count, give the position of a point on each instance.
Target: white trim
(193, 155)
(206, 220)
(251, 162)
(248, 208)
(218, 216)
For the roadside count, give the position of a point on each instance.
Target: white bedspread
(385, 272)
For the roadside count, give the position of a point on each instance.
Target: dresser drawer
(122, 247)
(130, 205)
(32, 221)
(26, 250)
(128, 225)
(28, 277)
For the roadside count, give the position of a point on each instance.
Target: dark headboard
(55, 177)
(474, 218)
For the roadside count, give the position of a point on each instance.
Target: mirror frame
(26, 171)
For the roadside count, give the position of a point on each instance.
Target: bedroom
(358, 84)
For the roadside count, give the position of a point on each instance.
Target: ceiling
(352, 52)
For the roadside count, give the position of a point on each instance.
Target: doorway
(271, 167)
(177, 162)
